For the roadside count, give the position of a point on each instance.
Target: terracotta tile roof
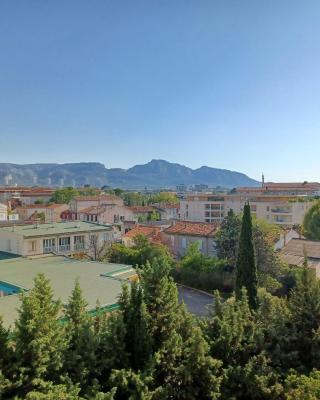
(192, 229)
(154, 234)
(295, 247)
(92, 210)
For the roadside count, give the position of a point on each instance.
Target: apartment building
(79, 203)
(279, 209)
(291, 189)
(62, 238)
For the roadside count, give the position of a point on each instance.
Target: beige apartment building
(279, 209)
(63, 238)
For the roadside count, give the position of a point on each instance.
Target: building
(79, 203)
(98, 281)
(152, 233)
(279, 209)
(26, 195)
(289, 189)
(293, 253)
(167, 211)
(183, 233)
(59, 238)
(3, 212)
(47, 213)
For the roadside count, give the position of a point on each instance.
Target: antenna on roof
(262, 181)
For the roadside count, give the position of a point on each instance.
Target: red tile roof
(154, 234)
(192, 229)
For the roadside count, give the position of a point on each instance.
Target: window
(64, 243)
(49, 245)
(78, 242)
(184, 242)
(199, 244)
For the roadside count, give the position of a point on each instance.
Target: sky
(228, 84)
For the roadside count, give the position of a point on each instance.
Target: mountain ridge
(154, 174)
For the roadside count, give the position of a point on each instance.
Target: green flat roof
(97, 280)
(55, 228)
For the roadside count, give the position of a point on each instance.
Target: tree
(137, 322)
(311, 222)
(304, 304)
(246, 272)
(39, 339)
(227, 237)
(63, 196)
(81, 342)
(303, 387)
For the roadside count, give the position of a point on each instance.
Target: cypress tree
(246, 273)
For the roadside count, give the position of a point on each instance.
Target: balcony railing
(79, 246)
(64, 247)
(281, 210)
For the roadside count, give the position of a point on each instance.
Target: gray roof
(55, 228)
(99, 281)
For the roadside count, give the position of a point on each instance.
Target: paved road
(197, 302)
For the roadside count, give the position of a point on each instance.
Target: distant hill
(154, 174)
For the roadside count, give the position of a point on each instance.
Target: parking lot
(197, 302)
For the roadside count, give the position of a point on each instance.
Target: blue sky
(228, 84)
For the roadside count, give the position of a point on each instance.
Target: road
(197, 302)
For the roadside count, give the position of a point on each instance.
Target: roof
(102, 197)
(46, 206)
(296, 247)
(55, 228)
(153, 233)
(192, 229)
(99, 281)
(92, 210)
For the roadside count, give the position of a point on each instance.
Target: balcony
(281, 210)
(79, 246)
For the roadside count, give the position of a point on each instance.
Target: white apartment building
(63, 238)
(281, 210)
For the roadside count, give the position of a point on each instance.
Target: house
(141, 213)
(3, 212)
(293, 253)
(167, 211)
(26, 195)
(286, 236)
(47, 213)
(152, 233)
(59, 238)
(106, 214)
(183, 233)
(79, 203)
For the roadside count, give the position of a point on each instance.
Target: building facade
(278, 209)
(62, 238)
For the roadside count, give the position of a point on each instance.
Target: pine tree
(7, 362)
(304, 304)
(81, 343)
(137, 322)
(39, 337)
(161, 299)
(246, 274)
